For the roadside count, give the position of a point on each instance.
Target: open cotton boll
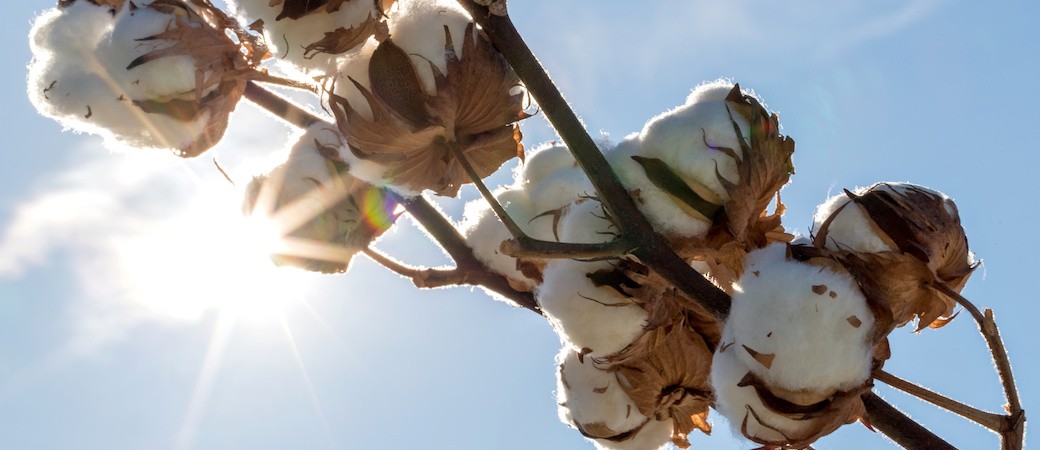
(418, 27)
(849, 227)
(799, 326)
(311, 38)
(662, 209)
(323, 214)
(485, 232)
(741, 405)
(560, 188)
(542, 162)
(687, 137)
(128, 41)
(593, 318)
(592, 400)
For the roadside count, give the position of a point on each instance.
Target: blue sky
(99, 350)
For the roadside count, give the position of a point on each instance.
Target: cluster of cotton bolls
(151, 74)
(322, 213)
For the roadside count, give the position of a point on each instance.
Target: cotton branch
(468, 271)
(636, 231)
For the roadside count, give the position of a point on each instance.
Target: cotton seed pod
(899, 240)
(323, 213)
(774, 417)
(666, 373)
(314, 35)
(162, 74)
(418, 133)
(595, 319)
(485, 232)
(800, 327)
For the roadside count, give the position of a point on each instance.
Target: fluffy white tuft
(586, 316)
(588, 395)
(814, 321)
(741, 405)
(485, 232)
(79, 76)
(418, 28)
(288, 38)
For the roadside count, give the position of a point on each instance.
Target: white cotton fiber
(418, 28)
(586, 316)
(288, 38)
(163, 77)
(851, 229)
(485, 232)
(658, 206)
(741, 406)
(588, 395)
(79, 77)
(798, 326)
(542, 162)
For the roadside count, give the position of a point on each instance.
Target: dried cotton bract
(419, 130)
(900, 241)
(314, 35)
(323, 213)
(161, 74)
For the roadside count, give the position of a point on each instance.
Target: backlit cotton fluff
(593, 319)
(485, 233)
(437, 92)
(796, 350)
(324, 214)
(313, 35)
(593, 401)
(149, 75)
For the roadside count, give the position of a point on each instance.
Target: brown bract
(342, 40)
(931, 248)
(295, 9)
(115, 5)
(419, 136)
(665, 372)
(764, 166)
(817, 415)
(200, 31)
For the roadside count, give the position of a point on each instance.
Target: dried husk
(419, 136)
(295, 9)
(931, 248)
(666, 373)
(355, 214)
(200, 30)
(743, 223)
(818, 414)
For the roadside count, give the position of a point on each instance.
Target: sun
(211, 258)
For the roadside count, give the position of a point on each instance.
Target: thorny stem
(647, 245)
(1012, 434)
(900, 428)
(469, 270)
(995, 422)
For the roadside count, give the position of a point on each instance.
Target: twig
(650, 247)
(280, 107)
(1013, 433)
(995, 422)
(424, 278)
(900, 428)
(455, 245)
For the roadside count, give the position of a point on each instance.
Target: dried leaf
(819, 289)
(342, 40)
(665, 373)
(662, 176)
(295, 9)
(765, 359)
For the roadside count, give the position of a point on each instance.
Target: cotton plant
(661, 260)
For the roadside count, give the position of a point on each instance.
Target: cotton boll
(798, 326)
(654, 435)
(598, 319)
(418, 27)
(296, 40)
(660, 208)
(850, 228)
(543, 162)
(686, 137)
(741, 405)
(129, 40)
(558, 189)
(485, 232)
(593, 400)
